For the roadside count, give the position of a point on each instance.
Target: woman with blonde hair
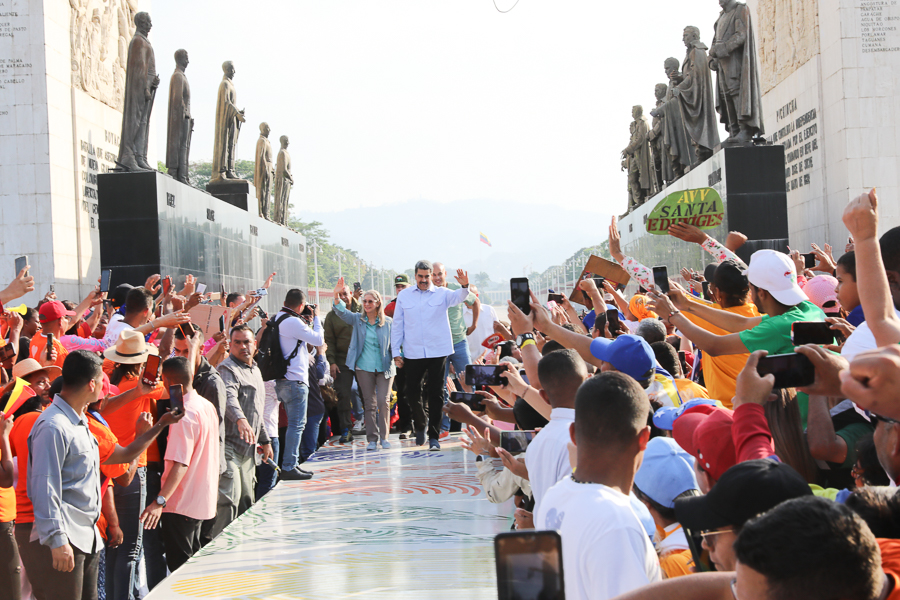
(369, 355)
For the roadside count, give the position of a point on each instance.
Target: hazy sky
(439, 100)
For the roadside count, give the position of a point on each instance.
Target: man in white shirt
(293, 390)
(561, 373)
(483, 330)
(606, 551)
(421, 341)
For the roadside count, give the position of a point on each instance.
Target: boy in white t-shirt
(606, 551)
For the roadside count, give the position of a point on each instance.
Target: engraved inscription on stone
(879, 26)
(99, 33)
(92, 160)
(788, 36)
(799, 133)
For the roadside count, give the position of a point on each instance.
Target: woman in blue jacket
(369, 355)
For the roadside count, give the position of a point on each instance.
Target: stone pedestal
(150, 223)
(751, 183)
(237, 192)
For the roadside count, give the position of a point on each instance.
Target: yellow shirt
(720, 372)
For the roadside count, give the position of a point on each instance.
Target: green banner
(701, 207)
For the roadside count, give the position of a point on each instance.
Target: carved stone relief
(788, 36)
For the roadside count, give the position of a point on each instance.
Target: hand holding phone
(151, 371)
(811, 332)
(21, 263)
(176, 397)
(486, 375)
(809, 260)
(790, 370)
(105, 276)
(520, 294)
(516, 442)
(558, 298)
(201, 288)
(49, 346)
(473, 401)
(661, 279)
(529, 565)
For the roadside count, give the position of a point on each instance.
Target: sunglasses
(876, 418)
(710, 536)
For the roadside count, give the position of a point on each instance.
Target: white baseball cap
(774, 272)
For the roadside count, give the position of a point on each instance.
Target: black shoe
(295, 475)
(405, 434)
(420, 438)
(305, 472)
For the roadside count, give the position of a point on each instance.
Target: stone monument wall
(61, 81)
(831, 81)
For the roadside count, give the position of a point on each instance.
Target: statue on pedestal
(678, 152)
(264, 171)
(283, 182)
(656, 133)
(178, 133)
(141, 82)
(733, 55)
(228, 126)
(695, 94)
(638, 160)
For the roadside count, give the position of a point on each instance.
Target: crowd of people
(669, 463)
(675, 459)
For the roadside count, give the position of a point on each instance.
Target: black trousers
(343, 387)
(427, 409)
(49, 584)
(181, 538)
(404, 411)
(10, 570)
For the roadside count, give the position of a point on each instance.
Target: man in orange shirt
(9, 552)
(54, 319)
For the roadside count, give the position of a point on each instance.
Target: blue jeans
(122, 562)
(310, 436)
(266, 475)
(293, 395)
(459, 359)
(356, 401)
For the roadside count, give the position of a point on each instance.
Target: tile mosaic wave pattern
(387, 525)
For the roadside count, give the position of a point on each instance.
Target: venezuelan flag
(485, 240)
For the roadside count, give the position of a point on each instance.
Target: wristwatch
(161, 500)
(520, 341)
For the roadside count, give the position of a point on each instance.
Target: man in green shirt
(773, 286)
(460, 357)
(337, 337)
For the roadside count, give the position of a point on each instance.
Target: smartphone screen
(176, 397)
(473, 401)
(558, 298)
(186, 330)
(515, 442)
(529, 565)
(682, 358)
(21, 263)
(105, 276)
(811, 332)
(612, 317)
(706, 290)
(790, 370)
(518, 291)
(485, 375)
(151, 370)
(49, 344)
(357, 285)
(167, 285)
(661, 279)
(809, 260)
(201, 288)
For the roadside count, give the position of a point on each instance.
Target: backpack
(271, 361)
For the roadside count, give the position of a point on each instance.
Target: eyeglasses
(710, 536)
(368, 302)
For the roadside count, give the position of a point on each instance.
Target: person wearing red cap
(53, 317)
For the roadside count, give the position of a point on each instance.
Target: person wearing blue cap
(632, 355)
(667, 473)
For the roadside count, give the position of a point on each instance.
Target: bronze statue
(141, 82)
(695, 93)
(283, 182)
(264, 171)
(656, 133)
(228, 126)
(178, 134)
(678, 151)
(638, 159)
(733, 55)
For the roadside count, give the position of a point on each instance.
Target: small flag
(485, 240)
(19, 393)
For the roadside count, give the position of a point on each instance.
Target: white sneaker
(385, 444)
(372, 446)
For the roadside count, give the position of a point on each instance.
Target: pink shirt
(194, 441)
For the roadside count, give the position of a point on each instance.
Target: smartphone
(262, 292)
(201, 288)
(518, 291)
(167, 284)
(151, 370)
(706, 290)
(105, 276)
(49, 344)
(682, 358)
(52, 288)
(506, 348)
(221, 322)
(558, 298)
(222, 291)
(790, 370)
(811, 332)
(529, 565)
(515, 442)
(598, 281)
(809, 260)
(357, 286)
(661, 279)
(473, 401)
(176, 397)
(7, 352)
(485, 375)
(186, 330)
(612, 317)
(21, 263)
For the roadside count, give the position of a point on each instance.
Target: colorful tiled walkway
(388, 525)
